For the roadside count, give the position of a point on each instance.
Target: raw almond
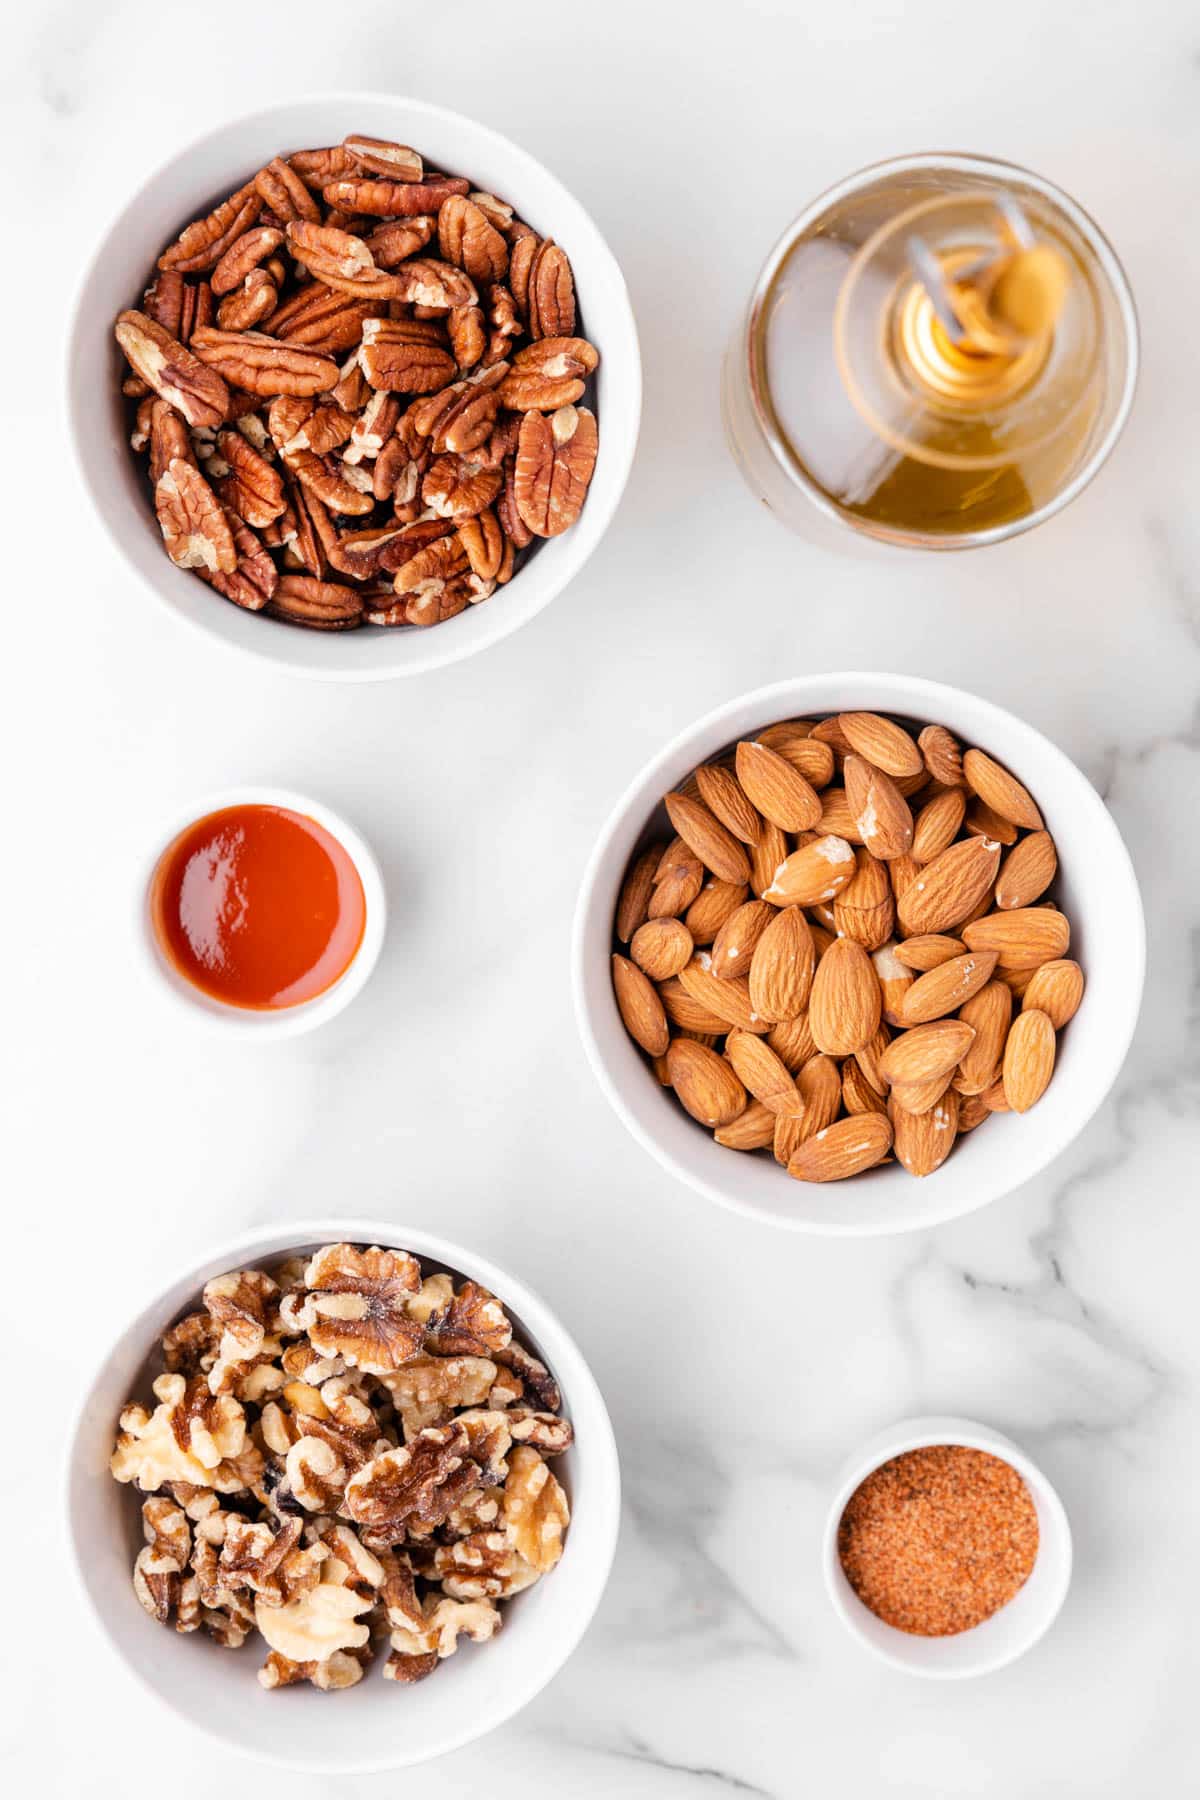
(781, 969)
(995, 1099)
(919, 1096)
(867, 1057)
(944, 989)
(846, 1148)
(820, 1088)
(902, 872)
(858, 1096)
(926, 1052)
(716, 847)
(927, 952)
(713, 905)
(661, 947)
(989, 1013)
(729, 999)
(759, 1069)
(1000, 790)
(767, 857)
(937, 823)
(865, 909)
(943, 758)
(981, 821)
(792, 1042)
(894, 982)
(947, 890)
(639, 1006)
(1023, 938)
(882, 742)
(844, 1009)
(829, 731)
(636, 890)
(778, 790)
(736, 941)
(722, 794)
(704, 1082)
(753, 1129)
(1055, 989)
(836, 818)
(818, 871)
(1027, 871)
(806, 754)
(880, 810)
(687, 1014)
(1028, 1060)
(972, 1111)
(678, 879)
(923, 1141)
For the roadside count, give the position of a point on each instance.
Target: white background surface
(740, 1366)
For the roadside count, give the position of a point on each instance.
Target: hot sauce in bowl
(258, 906)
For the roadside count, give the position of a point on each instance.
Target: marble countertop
(740, 1366)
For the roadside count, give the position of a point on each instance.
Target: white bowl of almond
(377, 380)
(858, 953)
(343, 1496)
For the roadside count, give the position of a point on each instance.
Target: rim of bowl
(603, 512)
(244, 1022)
(605, 1501)
(905, 694)
(919, 1434)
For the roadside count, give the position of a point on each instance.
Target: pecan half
(399, 162)
(327, 478)
(466, 237)
(397, 355)
(342, 262)
(204, 242)
(176, 376)
(254, 580)
(544, 287)
(167, 436)
(555, 460)
(324, 319)
(484, 543)
(392, 199)
(436, 561)
(468, 338)
(548, 374)
(261, 364)
(244, 254)
(251, 305)
(280, 188)
(318, 167)
(323, 605)
(252, 489)
(192, 521)
(393, 244)
(456, 488)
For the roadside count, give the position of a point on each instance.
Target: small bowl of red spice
(947, 1551)
(262, 912)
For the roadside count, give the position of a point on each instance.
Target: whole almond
(880, 810)
(759, 1069)
(836, 818)
(677, 880)
(983, 821)
(829, 731)
(858, 1096)
(818, 871)
(781, 969)
(995, 1099)
(867, 1056)
(767, 858)
(639, 1006)
(737, 940)
(792, 1042)
(687, 1013)
(778, 791)
(729, 999)
(894, 982)
(923, 1141)
(1056, 989)
(937, 823)
(865, 909)
(947, 890)
(902, 872)
(928, 952)
(944, 989)
(820, 1088)
(920, 1096)
(1023, 938)
(716, 902)
(703, 833)
(972, 1111)
(882, 742)
(847, 1147)
(1027, 871)
(704, 1082)
(636, 890)
(1028, 1060)
(753, 1129)
(1000, 790)
(722, 794)
(1017, 981)
(844, 1008)
(661, 947)
(806, 754)
(926, 1052)
(942, 755)
(989, 1013)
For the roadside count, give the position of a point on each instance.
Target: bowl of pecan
(347, 370)
(858, 953)
(374, 1472)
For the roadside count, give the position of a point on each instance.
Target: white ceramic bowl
(1097, 889)
(371, 1726)
(291, 1021)
(1009, 1632)
(203, 173)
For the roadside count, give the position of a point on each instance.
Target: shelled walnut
(330, 1464)
(359, 386)
(848, 952)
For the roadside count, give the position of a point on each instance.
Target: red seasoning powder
(937, 1540)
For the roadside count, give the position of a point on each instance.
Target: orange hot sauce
(258, 906)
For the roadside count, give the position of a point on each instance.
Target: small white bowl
(1097, 889)
(200, 175)
(371, 1726)
(1010, 1632)
(291, 1021)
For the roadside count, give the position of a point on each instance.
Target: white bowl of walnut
(389, 372)
(924, 968)
(384, 1477)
